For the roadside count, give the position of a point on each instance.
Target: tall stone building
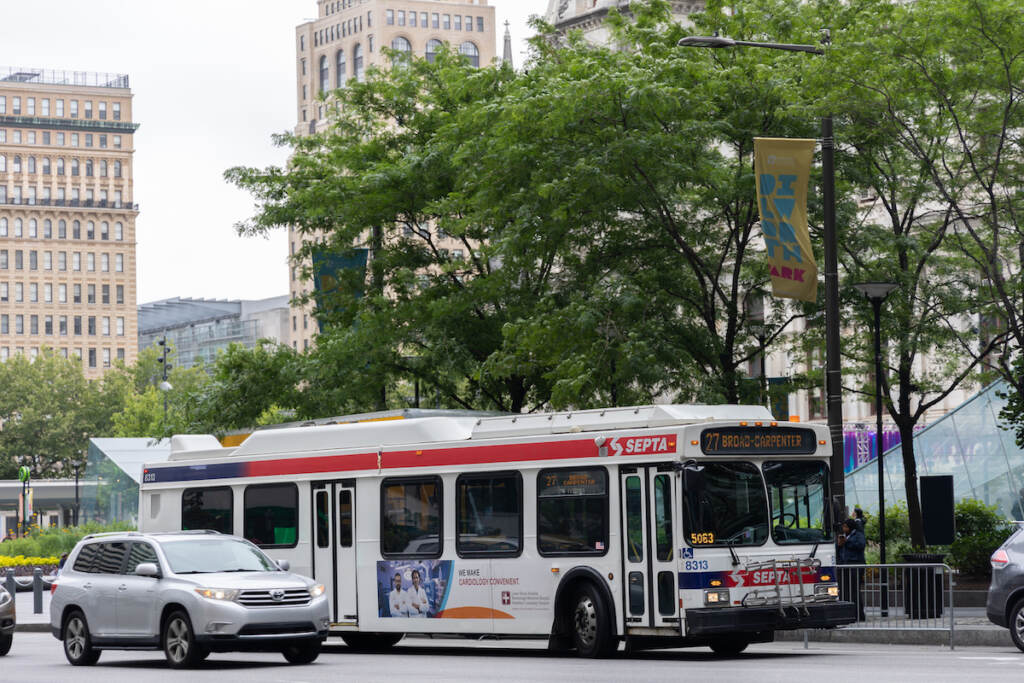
(341, 44)
(67, 217)
(589, 16)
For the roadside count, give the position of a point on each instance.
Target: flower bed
(24, 566)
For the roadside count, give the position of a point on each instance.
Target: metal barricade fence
(899, 597)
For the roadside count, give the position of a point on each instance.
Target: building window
(435, 20)
(88, 109)
(410, 522)
(102, 110)
(119, 263)
(271, 514)
(76, 294)
(120, 327)
(340, 68)
(389, 17)
(471, 52)
(325, 74)
(16, 106)
(480, 24)
(412, 19)
(446, 22)
(60, 107)
(117, 111)
(469, 23)
(92, 358)
(400, 44)
(119, 291)
(433, 47)
(357, 63)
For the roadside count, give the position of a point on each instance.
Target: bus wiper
(729, 544)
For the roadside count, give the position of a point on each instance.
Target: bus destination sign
(758, 441)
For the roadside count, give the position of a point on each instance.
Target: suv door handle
(123, 587)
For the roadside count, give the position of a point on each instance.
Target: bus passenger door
(634, 551)
(649, 524)
(346, 611)
(323, 540)
(663, 524)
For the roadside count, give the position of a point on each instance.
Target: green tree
(49, 410)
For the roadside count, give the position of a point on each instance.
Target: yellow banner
(783, 168)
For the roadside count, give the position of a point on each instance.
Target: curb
(966, 636)
(32, 628)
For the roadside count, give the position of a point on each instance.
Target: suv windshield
(215, 555)
(798, 492)
(726, 505)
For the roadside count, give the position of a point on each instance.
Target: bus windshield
(798, 492)
(726, 506)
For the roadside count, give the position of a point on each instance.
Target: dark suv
(1006, 593)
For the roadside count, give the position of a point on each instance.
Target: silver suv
(187, 593)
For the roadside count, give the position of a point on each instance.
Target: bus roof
(447, 429)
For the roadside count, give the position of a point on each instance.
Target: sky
(212, 81)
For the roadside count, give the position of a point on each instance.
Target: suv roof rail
(104, 534)
(189, 532)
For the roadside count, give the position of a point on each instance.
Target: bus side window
(271, 513)
(345, 518)
(489, 514)
(572, 511)
(410, 517)
(207, 508)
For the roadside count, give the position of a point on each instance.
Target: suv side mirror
(283, 565)
(148, 569)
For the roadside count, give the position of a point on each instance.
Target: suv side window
(140, 554)
(86, 560)
(111, 557)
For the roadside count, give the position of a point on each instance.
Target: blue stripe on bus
(227, 470)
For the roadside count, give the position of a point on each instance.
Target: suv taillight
(53, 587)
(999, 559)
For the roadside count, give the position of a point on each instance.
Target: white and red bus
(659, 526)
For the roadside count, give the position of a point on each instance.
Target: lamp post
(77, 465)
(833, 372)
(876, 292)
(164, 385)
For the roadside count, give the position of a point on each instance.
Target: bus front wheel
(728, 646)
(590, 622)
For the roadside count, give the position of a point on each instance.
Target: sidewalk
(27, 621)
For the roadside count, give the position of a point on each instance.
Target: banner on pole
(783, 169)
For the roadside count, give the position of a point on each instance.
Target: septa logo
(644, 445)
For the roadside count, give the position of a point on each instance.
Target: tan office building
(343, 42)
(67, 221)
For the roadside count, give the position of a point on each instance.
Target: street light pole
(876, 293)
(833, 367)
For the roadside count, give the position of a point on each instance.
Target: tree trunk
(910, 483)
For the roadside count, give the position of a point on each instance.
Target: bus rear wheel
(728, 646)
(590, 623)
(372, 642)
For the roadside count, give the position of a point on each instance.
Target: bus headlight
(829, 589)
(716, 597)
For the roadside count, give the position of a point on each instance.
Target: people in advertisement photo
(412, 588)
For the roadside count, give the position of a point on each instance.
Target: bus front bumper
(722, 620)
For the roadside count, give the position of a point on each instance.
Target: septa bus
(657, 526)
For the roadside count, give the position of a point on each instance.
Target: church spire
(507, 58)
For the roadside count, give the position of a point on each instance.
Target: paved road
(38, 657)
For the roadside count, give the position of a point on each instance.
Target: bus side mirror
(693, 478)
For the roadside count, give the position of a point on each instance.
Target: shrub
(979, 531)
(52, 542)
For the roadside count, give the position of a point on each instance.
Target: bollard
(11, 586)
(37, 591)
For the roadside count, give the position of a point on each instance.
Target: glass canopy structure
(969, 443)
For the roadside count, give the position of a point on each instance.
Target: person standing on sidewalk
(851, 544)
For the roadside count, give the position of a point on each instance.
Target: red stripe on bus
(477, 455)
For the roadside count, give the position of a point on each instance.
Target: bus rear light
(716, 583)
(999, 559)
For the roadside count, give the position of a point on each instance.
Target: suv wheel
(78, 642)
(1017, 625)
(5, 643)
(180, 647)
(303, 652)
